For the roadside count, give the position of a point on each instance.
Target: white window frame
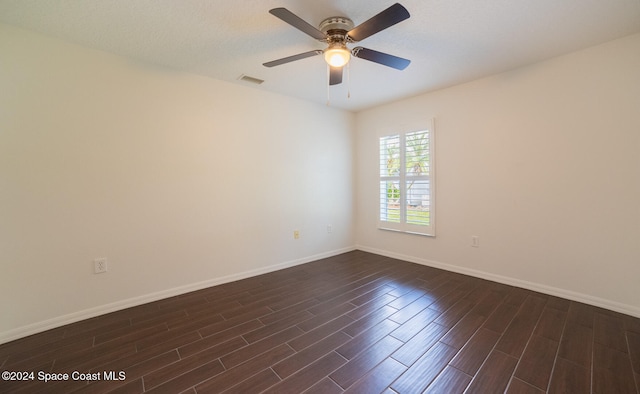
(403, 226)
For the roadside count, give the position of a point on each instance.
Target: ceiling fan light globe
(337, 57)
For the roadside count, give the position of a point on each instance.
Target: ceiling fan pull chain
(348, 80)
(328, 90)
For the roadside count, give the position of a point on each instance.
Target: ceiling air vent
(249, 79)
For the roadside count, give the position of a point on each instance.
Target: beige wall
(179, 180)
(184, 182)
(542, 163)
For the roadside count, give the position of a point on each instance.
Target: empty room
(322, 197)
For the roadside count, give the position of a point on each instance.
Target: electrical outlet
(475, 241)
(100, 265)
(329, 229)
(296, 234)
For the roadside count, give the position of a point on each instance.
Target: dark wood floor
(357, 322)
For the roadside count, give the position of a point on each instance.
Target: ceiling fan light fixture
(337, 55)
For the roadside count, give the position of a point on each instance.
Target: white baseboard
(554, 291)
(45, 325)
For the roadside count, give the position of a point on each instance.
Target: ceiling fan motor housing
(336, 28)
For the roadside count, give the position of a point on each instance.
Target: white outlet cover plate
(100, 265)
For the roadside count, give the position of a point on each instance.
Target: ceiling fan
(337, 32)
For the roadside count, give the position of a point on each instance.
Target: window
(407, 182)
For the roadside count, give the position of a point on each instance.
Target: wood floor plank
(276, 326)
(581, 314)
(92, 358)
(325, 386)
(256, 383)
(305, 378)
(413, 349)
(365, 361)
(451, 316)
(412, 326)
(404, 285)
(569, 377)
(448, 300)
(218, 338)
(577, 344)
(167, 341)
(219, 326)
(516, 297)
(373, 295)
(407, 299)
(289, 310)
(612, 371)
(133, 387)
(160, 376)
(438, 289)
(537, 362)
(318, 333)
(410, 310)
(189, 379)
(450, 381)
(370, 307)
(487, 304)
(609, 331)
(134, 371)
(560, 304)
(631, 324)
(551, 323)
(379, 378)
(248, 310)
(494, 375)
(233, 376)
(517, 335)
(481, 290)
(420, 375)
(633, 340)
(352, 289)
(130, 334)
(366, 291)
(34, 358)
(517, 386)
(367, 338)
(301, 359)
(326, 316)
(369, 321)
(214, 306)
(195, 321)
(473, 354)
(247, 352)
(463, 330)
(501, 318)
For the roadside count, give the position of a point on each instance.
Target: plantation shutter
(406, 188)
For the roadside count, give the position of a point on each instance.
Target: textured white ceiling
(448, 41)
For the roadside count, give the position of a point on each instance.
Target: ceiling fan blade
(297, 22)
(387, 18)
(381, 58)
(293, 58)
(335, 75)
